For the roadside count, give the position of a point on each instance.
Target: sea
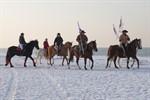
(144, 52)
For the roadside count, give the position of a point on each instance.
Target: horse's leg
(66, 60)
(53, 61)
(133, 62)
(50, 61)
(128, 58)
(40, 59)
(7, 62)
(34, 64)
(110, 62)
(37, 57)
(10, 63)
(77, 61)
(107, 62)
(92, 62)
(63, 61)
(85, 63)
(25, 61)
(119, 62)
(115, 58)
(137, 61)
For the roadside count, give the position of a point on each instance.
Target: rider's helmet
(22, 33)
(82, 31)
(124, 31)
(58, 34)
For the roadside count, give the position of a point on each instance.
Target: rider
(22, 42)
(45, 44)
(82, 41)
(123, 39)
(58, 41)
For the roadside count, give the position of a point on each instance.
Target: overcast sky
(40, 19)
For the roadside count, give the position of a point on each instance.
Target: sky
(40, 19)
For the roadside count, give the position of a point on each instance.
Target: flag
(79, 27)
(120, 26)
(116, 33)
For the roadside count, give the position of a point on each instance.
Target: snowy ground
(57, 82)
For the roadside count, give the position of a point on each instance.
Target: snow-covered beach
(57, 82)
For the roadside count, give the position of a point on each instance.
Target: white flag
(120, 26)
(116, 33)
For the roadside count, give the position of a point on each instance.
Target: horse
(88, 52)
(41, 53)
(14, 50)
(115, 51)
(53, 50)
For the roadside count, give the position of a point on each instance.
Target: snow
(57, 82)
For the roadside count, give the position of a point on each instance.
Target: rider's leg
(124, 49)
(21, 47)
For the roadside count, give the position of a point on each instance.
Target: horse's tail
(109, 49)
(112, 50)
(7, 57)
(71, 54)
(46, 53)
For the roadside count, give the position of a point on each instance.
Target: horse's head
(137, 43)
(93, 45)
(68, 45)
(36, 44)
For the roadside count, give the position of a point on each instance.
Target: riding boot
(81, 53)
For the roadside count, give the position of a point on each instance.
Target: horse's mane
(32, 41)
(133, 41)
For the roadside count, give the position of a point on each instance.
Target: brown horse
(53, 50)
(115, 51)
(87, 53)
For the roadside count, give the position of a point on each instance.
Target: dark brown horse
(53, 50)
(115, 51)
(14, 50)
(88, 52)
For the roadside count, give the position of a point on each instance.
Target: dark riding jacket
(58, 41)
(81, 38)
(45, 44)
(22, 40)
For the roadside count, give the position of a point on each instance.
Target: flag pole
(116, 33)
(81, 46)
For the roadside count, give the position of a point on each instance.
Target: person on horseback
(22, 43)
(82, 41)
(58, 41)
(123, 39)
(45, 44)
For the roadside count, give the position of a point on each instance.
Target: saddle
(79, 49)
(124, 48)
(22, 52)
(58, 48)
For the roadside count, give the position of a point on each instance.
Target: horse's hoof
(6, 64)
(11, 66)
(34, 65)
(25, 65)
